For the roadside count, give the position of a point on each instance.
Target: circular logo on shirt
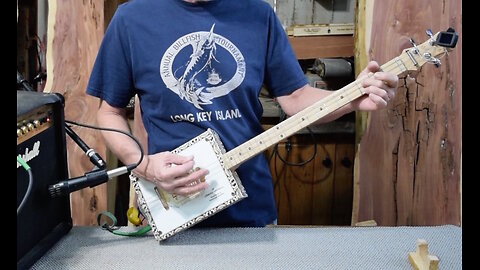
(201, 66)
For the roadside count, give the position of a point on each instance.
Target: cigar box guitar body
(169, 214)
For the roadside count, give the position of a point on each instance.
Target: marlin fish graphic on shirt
(204, 46)
(203, 53)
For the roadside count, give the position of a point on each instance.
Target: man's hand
(175, 174)
(379, 88)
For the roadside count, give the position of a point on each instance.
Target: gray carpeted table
(256, 248)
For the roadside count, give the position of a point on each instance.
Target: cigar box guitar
(169, 214)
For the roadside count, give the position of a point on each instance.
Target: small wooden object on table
(420, 259)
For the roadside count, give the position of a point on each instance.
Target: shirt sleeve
(283, 73)
(111, 76)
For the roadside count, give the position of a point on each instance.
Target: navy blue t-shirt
(199, 66)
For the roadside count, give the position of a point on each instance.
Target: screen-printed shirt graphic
(201, 66)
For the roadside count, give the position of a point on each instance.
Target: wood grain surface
(408, 160)
(75, 30)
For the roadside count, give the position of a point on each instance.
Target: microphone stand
(24, 83)
(95, 158)
(90, 179)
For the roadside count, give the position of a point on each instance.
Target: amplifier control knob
(24, 129)
(19, 132)
(30, 126)
(36, 123)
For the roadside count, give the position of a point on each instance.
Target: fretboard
(304, 118)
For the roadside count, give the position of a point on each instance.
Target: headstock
(415, 57)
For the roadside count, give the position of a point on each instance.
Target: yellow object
(132, 216)
(420, 259)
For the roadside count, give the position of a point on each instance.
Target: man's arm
(123, 147)
(169, 171)
(379, 89)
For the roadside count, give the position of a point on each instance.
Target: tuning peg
(415, 50)
(429, 32)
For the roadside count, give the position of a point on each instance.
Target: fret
(396, 66)
(397, 59)
(359, 88)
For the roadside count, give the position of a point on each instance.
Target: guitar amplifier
(41, 144)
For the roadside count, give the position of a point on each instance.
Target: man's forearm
(122, 146)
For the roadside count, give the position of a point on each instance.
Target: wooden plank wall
(318, 192)
(26, 43)
(408, 167)
(75, 30)
(297, 12)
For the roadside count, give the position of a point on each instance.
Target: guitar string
(347, 92)
(326, 102)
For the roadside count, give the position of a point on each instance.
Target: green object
(113, 228)
(23, 163)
